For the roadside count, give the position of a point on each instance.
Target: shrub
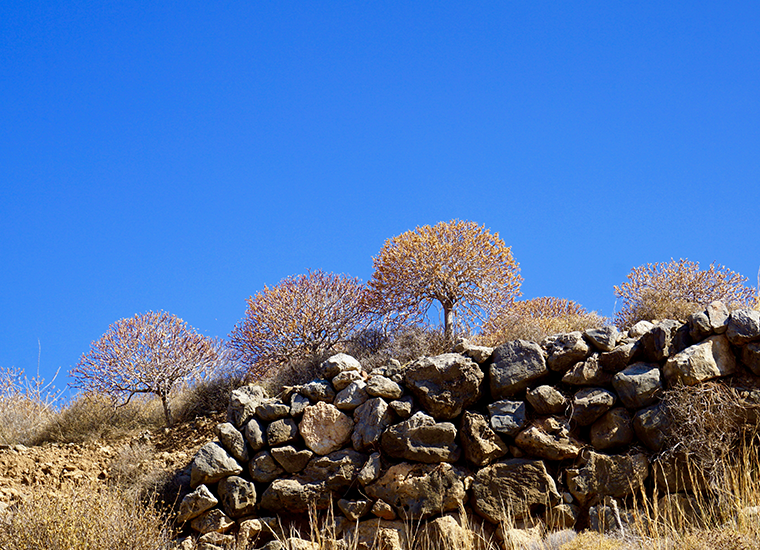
(26, 406)
(303, 316)
(536, 319)
(675, 290)
(463, 267)
(150, 353)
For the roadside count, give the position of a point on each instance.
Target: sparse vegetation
(26, 406)
(676, 289)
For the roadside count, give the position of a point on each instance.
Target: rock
(264, 469)
(215, 541)
(479, 354)
(589, 404)
(354, 509)
(297, 543)
(613, 430)
(378, 534)
(447, 532)
(546, 400)
(370, 421)
(562, 516)
(402, 407)
(511, 489)
(335, 472)
(294, 496)
(211, 464)
(254, 434)
(338, 363)
(233, 441)
(352, 396)
(281, 432)
(444, 385)
(617, 359)
(718, 314)
(195, 503)
(603, 338)
(657, 344)
(345, 378)
(421, 439)
(743, 326)
(515, 366)
(565, 350)
(480, 443)
(248, 532)
(638, 385)
(751, 357)
(212, 521)
(699, 326)
(380, 386)
(383, 510)
(507, 417)
(269, 411)
(324, 428)
(609, 517)
(548, 438)
(291, 459)
(603, 475)
(237, 496)
(371, 470)
(419, 491)
(298, 404)
(243, 403)
(652, 427)
(587, 373)
(711, 358)
(319, 390)
(639, 329)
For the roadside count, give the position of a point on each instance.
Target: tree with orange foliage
(460, 265)
(303, 316)
(674, 290)
(148, 353)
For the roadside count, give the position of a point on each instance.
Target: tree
(149, 353)
(537, 318)
(302, 316)
(463, 267)
(674, 290)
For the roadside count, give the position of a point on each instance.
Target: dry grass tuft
(26, 406)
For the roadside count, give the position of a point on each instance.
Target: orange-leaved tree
(301, 317)
(537, 318)
(149, 353)
(676, 289)
(462, 266)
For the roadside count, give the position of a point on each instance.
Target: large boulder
(638, 385)
(587, 373)
(658, 343)
(211, 464)
(294, 496)
(480, 443)
(263, 468)
(445, 384)
(421, 439)
(281, 432)
(617, 359)
(291, 459)
(418, 491)
(515, 366)
(352, 396)
(512, 489)
(711, 358)
(324, 428)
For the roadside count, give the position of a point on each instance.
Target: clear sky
(181, 155)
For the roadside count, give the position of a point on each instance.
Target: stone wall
(560, 430)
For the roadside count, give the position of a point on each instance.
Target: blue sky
(182, 155)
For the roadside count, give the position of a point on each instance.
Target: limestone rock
(281, 432)
(319, 390)
(324, 428)
(638, 385)
(711, 358)
(418, 491)
(291, 459)
(743, 326)
(421, 439)
(587, 373)
(589, 404)
(652, 426)
(447, 532)
(699, 326)
(480, 443)
(565, 350)
(243, 403)
(264, 469)
(402, 407)
(639, 329)
(254, 434)
(383, 510)
(215, 541)
(298, 404)
(479, 354)
(352, 396)
(248, 532)
(603, 475)
(603, 338)
(212, 521)
(617, 359)
(548, 438)
(354, 509)
(512, 487)
(515, 366)
(613, 430)
(657, 343)
(445, 384)
(195, 503)
(370, 421)
(338, 363)
(233, 441)
(751, 357)
(237, 496)
(378, 534)
(371, 470)
(211, 464)
(272, 410)
(718, 314)
(380, 386)
(335, 472)
(345, 378)
(293, 496)
(507, 417)
(546, 400)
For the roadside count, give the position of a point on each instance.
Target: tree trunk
(448, 323)
(167, 410)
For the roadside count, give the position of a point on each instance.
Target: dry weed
(26, 406)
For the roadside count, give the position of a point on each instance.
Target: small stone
(589, 404)
(281, 432)
(291, 459)
(195, 503)
(383, 510)
(233, 441)
(269, 411)
(298, 404)
(507, 417)
(603, 338)
(264, 469)
(546, 400)
(371, 470)
(254, 434)
(237, 496)
(345, 378)
(352, 396)
(402, 407)
(354, 509)
(319, 390)
(212, 521)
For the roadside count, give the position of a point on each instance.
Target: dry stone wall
(555, 429)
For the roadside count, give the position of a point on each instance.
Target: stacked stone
(560, 428)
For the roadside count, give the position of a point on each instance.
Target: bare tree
(463, 267)
(302, 316)
(148, 353)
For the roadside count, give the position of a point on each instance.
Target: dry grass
(26, 406)
(93, 516)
